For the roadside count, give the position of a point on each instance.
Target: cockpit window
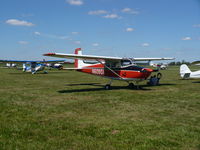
(126, 62)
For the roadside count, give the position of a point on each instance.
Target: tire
(107, 87)
(159, 75)
(131, 85)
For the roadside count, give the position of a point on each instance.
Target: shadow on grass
(18, 73)
(56, 72)
(164, 84)
(196, 82)
(94, 84)
(101, 87)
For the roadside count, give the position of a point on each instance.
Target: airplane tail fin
(24, 67)
(185, 71)
(78, 62)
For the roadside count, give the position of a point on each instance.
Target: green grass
(71, 110)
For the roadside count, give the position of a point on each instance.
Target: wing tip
(49, 54)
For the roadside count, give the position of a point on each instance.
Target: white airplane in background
(32, 66)
(186, 73)
(159, 66)
(11, 65)
(55, 65)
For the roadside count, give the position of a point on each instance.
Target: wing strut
(110, 69)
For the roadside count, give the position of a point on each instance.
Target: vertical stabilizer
(24, 67)
(185, 71)
(78, 62)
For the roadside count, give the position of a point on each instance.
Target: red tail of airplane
(79, 63)
(77, 52)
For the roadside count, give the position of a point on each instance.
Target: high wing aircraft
(186, 73)
(114, 68)
(32, 66)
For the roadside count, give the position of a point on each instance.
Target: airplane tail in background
(185, 71)
(24, 67)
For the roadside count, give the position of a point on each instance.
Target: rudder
(185, 71)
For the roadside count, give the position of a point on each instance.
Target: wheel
(131, 85)
(159, 75)
(107, 86)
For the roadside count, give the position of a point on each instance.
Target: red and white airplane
(114, 68)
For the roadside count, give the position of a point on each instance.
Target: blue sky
(127, 28)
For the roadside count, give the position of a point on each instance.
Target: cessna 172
(114, 68)
(186, 73)
(32, 66)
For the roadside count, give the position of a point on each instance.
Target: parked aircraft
(114, 68)
(186, 73)
(32, 66)
(55, 65)
(11, 65)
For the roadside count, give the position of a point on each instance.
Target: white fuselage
(34, 69)
(195, 74)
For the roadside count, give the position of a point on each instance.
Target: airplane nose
(149, 70)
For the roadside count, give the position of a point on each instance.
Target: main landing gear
(108, 86)
(130, 85)
(133, 86)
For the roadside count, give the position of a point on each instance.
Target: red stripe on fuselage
(100, 70)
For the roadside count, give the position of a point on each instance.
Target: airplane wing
(31, 61)
(92, 57)
(150, 59)
(85, 57)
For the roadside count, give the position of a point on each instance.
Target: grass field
(71, 110)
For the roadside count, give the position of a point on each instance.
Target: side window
(113, 64)
(125, 62)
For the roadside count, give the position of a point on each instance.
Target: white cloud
(27, 15)
(75, 2)
(111, 16)
(37, 33)
(95, 44)
(145, 44)
(130, 11)
(196, 25)
(77, 42)
(61, 37)
(186, 38)
(97, 12)
(23, 42)
(16, 22)
(75, 33)
(129, 29)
